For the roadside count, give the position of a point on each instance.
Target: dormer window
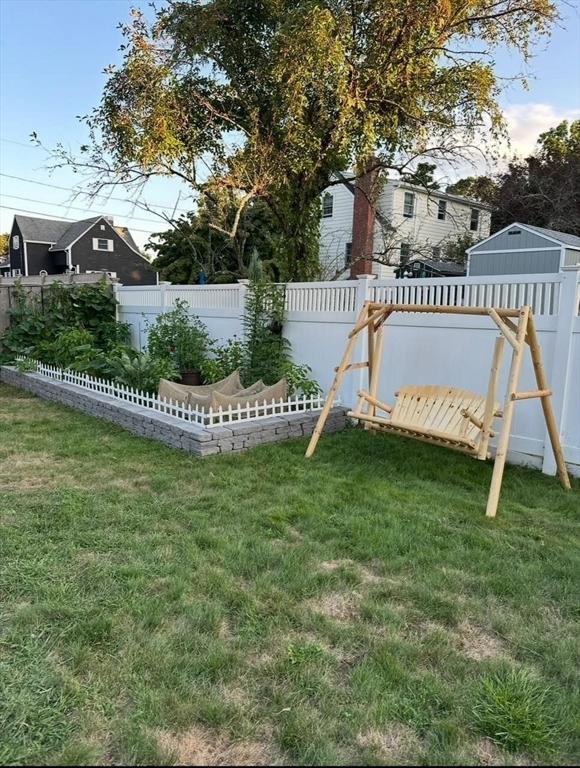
(327, 206)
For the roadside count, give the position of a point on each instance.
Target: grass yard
(354, 608)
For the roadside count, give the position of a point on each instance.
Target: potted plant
(181, 338)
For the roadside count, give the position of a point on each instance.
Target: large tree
(543, 189)
(270, 97)
(192, 245)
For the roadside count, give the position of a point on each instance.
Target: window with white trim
(442, 210)
(327, 206)
(347, 254)
(436, 252)
(102, 227)
(474, 221)
(405, 253)
(102, 244)
(409, 205)
(15, 242)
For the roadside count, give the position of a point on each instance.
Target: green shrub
(37, 320)
(179, 337)
(226, 359)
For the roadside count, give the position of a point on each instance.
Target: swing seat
(442, 415)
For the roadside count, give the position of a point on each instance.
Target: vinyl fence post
(243, 295)
(562, 369)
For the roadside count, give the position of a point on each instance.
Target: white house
(409, 221)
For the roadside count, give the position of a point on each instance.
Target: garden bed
(173, 430)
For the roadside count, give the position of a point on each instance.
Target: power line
(105, 197)
(21, 143)
(62, 218)
(76, 208)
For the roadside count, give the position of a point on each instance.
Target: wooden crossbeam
(532, 394)
(373, 401)
(438, 309)
(509, 336)
(354, 366)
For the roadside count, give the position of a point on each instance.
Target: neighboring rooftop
(449, 267)
(41, 230)
(60, 234)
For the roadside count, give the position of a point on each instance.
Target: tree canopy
(543, 189)
(267, 98)
(191, 245)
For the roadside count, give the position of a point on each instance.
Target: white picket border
(211, 417)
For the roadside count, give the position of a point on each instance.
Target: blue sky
(52, 53)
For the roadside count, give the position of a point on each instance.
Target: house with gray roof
(51, 246)
(522, 249)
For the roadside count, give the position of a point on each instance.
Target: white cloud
(525, 122)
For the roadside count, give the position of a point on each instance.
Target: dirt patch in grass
(477, 644)
(337, 606)
(366, 574)
(396, 745)
(488, 753)
(200, 746)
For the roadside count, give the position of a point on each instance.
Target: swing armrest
(466, 413)
(373, 401)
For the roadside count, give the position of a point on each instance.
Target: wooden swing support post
(516, 326)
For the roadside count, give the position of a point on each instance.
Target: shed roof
(563, 237)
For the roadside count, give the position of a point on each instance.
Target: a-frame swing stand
(446, 416)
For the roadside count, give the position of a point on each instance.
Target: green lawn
(356, 607)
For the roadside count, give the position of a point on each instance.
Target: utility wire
(63, 218)
(106, 197)
(84, 210)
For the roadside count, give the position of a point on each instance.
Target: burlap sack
(179, 393)
(205, 401)
(275, 391)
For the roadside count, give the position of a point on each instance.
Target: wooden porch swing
(454, 418)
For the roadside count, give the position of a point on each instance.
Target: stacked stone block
(177, 433)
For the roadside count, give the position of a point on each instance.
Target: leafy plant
(226, 359)
(37, 319)
(179, 337)
(300, 381)
(141, 370)
(267, 353)
(25, 365)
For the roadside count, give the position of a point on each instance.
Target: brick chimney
(363, 223)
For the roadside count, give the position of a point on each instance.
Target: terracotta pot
(191, 378)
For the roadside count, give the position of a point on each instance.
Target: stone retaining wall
(170, 430)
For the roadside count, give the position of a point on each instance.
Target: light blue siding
(503, 241)
(514, 263)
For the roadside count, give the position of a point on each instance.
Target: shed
(521, 249)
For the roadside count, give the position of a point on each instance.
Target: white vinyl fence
(419, 349)
(210, 417)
